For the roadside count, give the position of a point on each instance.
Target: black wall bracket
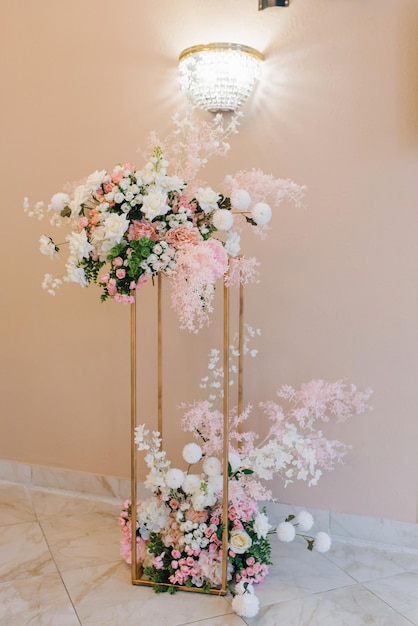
(265, 4)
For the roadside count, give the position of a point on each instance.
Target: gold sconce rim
(221, 47)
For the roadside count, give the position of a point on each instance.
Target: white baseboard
(347, 527)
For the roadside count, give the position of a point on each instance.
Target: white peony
(59, 201)
(239, 541)
(174, 478)
(240, 199)
(322, 542)
(208, 199)
(261, 213)
(75, 274)
(261, 525)
(79, 245)
(154, 204)
(48, 247)
(286, 532)
(96, 179)
(222, 219)
(192, 452)
(81, 195)
(212, 466)
(304, 520)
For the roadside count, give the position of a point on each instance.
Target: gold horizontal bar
(151, 583)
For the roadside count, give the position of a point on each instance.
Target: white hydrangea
(222, 219)
(240, 199)
(191, 483)
(59, 201)
(261, 213)
(174, 478)
(246, 604)
(322, 542)
(304, 520)
(212, 466)
(192, 453)
(286, 532)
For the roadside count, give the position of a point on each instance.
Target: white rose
(261, 525)
(59, 201)
(261, 213)
(222, 219)
(239, 541)
(119, 197)
(240, 199)
(208, 199)
(114, 228)
(154, 204)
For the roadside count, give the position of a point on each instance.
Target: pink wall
(82, 85)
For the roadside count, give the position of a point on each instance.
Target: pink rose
(118, 262)
(120, 273)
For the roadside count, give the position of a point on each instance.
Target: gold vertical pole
(225, 441)
(160, 359)
(241, 353)
(134, 567)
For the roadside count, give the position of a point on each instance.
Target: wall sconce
(265, 4)
(219, 76)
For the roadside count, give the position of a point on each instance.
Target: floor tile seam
(60, 574)
(80, 495)
(65, 570)
(387, 604)
(29, 521)
(205, 619)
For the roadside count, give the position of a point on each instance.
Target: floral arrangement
(128, 225)
(179, 527)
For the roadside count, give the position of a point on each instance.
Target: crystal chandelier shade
(219, 76)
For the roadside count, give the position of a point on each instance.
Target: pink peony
(182, 236)
(143, 228)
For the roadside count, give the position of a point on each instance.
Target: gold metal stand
(136, 569)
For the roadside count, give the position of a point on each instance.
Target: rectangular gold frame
(136, 570)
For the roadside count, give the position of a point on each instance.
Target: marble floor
(60, 566)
